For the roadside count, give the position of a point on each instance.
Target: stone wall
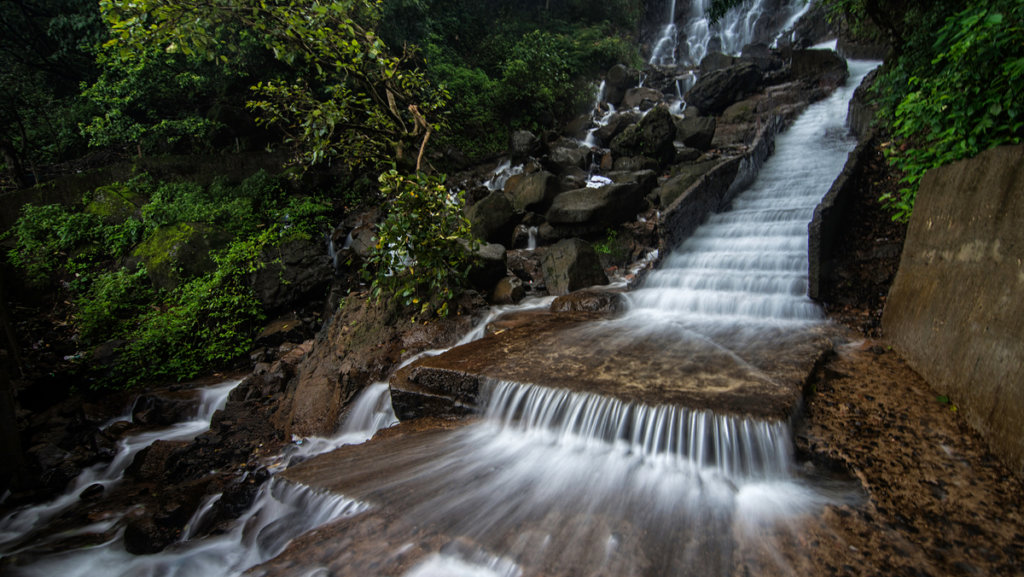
(714, 191)
(956, 310)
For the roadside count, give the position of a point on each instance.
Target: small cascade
(736, 447)
(664, 53)
(280, 512)
(109, 474)
(501, 174)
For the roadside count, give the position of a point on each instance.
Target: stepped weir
(656, 442)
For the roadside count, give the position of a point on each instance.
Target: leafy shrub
(45, 236)
(420, 257)
(114, 298)
(968, 102)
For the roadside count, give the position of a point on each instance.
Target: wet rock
(696, 132)
(526, 265)
(618, 80)
(533, 192)
(762, 56)
(361, 344)
(589, 301)
(635, 163)
(151, 463)
(684, 178)
(509, 290)
(569, 153)
(571, 264)
(493, 218)
(280, 331)
(525, 144)
(295, 272)
(652, 137)
(595, 209)
(645, 179)
(616, 124)
(715, 61)
(714, 92)
(154, 409)
(55, 464)
(642, 97)
(822, 67)
(490, 265)
(91, 492)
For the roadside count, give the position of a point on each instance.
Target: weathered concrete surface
(955, 310)
(829, 220)
(580, 353)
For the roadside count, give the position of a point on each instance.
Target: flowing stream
(549, 481)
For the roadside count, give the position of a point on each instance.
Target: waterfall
(736, 447)
(24, 521)
(748, 266)
(740, 26)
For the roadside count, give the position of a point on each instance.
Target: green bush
(421, 256)
(45, 237)
(969, 101)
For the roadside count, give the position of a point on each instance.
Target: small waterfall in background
(740, 26)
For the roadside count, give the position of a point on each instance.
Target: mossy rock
(114, 203)
(175, 253)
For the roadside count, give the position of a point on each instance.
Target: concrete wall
(956, 309)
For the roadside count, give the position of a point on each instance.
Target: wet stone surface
(653, 365)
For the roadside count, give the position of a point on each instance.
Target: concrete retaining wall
(956, 309)
(714, 191)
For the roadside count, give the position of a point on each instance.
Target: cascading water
(551, 479)
(280, 512)
(24, 521)
(740, 26)
(748, 266)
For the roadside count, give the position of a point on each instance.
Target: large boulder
(571, 264)
(175, 253)
(596, 209)
(615, 125)
(642, 97)
(714, 92)
(618, 80)
(295, 272)
(533, 192)
(568, 153)
(821, 67)
(493, 218)
(696, 132)
(490, 265)
(653, 137)
(715, 61)
(526, 144)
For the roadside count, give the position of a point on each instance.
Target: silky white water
(747, 267)
(281, 511)
(740, 26)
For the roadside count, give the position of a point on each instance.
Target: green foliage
(423, 251)
(114, 298)
(207, 319)
(45, 237)
(149, 101)
(968, 101)
(606, 245)
(207, 322)
(345, 98)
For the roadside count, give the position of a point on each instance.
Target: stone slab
(615, 358)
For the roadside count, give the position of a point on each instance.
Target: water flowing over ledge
(736, 447)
